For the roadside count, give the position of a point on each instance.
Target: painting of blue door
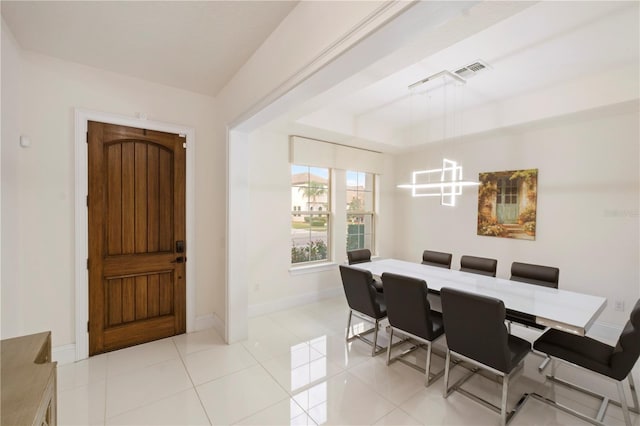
(507, 200)
(507, 204)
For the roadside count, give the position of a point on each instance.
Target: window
(310, 220)
(360, 210)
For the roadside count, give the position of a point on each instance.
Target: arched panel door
(137, 248)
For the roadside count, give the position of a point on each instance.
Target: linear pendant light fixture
(447, 181)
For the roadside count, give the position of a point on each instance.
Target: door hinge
(87, 201)
(87, 326)
(87, 263)
(87, 137)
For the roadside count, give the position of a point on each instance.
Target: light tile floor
(294, 368)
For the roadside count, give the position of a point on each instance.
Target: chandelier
(445, 182)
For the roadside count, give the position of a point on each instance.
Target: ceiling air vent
(472, 69)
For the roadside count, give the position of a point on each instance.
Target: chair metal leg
(623, 403)
(375, 339)
(389, 346)
(349, 323)
(634, 393)
(428, 366)
(604, 400)
(503, 406)
(544, 363)
(417, 343)
(445, 392)
(361, 336)
(505, 415)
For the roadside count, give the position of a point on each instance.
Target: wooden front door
(137, 249)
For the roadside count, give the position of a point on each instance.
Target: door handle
(179, 259)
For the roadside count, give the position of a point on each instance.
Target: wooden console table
(28, 381)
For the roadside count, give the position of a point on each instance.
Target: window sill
(310, 269)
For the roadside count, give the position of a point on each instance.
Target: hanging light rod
(443, 184)
(437, 75)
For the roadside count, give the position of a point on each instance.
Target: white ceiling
(192, 45)
(546, 45)
(198, 46)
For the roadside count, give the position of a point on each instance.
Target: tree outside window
(310, 221)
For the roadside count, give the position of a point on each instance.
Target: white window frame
(328, 213)
(371, 213)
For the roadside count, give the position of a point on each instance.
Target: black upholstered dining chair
(436, 258)
(611, 362)
(476, 333)
(360, 256)
(365, 302)
(546, 276)
(479, 265)
(410, 314)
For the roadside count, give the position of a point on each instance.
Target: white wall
(271, 283)
(9, 153)
(289, 67)
(38, 275)
(38, 97)
(588, 202)
(37, 193)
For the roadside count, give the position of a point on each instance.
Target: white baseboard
(65, 354)
(219, 325)
(204, 322)
(291, 302)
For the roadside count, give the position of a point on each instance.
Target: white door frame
(82, 116)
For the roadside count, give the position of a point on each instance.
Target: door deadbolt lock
(180, 246)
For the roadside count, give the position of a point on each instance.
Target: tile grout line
(106, 377)
(346, 370)
(184, 365)
(258, 363)
(157, 400)
(223, 375)
(146, 366)
(289, 397)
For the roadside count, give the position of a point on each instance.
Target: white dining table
(564, 310)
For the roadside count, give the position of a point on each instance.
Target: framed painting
(507, 204)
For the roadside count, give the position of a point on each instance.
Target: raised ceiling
(192, 45)
(548, 58)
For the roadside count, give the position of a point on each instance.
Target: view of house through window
(360, 208)
(310, 214)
